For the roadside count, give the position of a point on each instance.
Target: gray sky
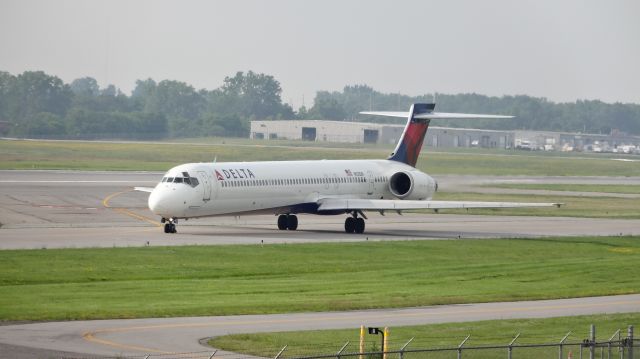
(561, 50)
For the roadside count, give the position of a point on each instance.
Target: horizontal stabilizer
(144, 189)
(431, 115)
(333, 204)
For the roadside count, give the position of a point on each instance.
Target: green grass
(574, 206)
(143, 156)
(223, 280)
(494, 332)
(162, 156)
(629, 189)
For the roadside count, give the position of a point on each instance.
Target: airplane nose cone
(155, 203)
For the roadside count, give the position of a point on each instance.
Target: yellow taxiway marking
(126, 212)
(91, 336)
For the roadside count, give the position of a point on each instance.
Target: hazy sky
(561, 50)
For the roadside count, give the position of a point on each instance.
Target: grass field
(574, 206)
(162, 156)
(498, 332)
(222, 280)
(630, 189)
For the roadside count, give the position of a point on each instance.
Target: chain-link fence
(620, 345)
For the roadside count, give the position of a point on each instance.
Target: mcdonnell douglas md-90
(324, 187)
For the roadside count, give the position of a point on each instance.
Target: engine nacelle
(413, 185)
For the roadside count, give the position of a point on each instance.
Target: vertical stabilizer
(418, 118)
(410, 143)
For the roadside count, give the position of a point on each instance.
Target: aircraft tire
(282, 222)
(359, 225)
(167, 227)
(292, 222)
(350, 225)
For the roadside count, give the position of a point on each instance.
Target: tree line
(35, 104)
(532, 113)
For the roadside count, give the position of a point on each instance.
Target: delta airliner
(324, 187)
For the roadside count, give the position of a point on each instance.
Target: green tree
(327, 107)
(43, 124)
(86, 86)
(252, 95)
(6, 87)
(34, 92)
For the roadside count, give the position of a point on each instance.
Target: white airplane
(325, 187)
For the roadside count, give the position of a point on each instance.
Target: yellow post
(361, 341)
(384, 347)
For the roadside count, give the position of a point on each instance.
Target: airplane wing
(431, 115)
(333, 204)
(144, 189)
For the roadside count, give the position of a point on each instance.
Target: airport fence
(618, 346)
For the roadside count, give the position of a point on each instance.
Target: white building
(364, 132)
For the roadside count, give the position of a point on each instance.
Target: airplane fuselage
(325, 187)
(277, 187)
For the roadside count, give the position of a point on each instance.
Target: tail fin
(418, 119)
(410, 143)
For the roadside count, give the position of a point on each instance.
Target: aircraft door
(206, 185)
(371, 183)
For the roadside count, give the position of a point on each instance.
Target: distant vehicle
(286, 188)
(627, 148)
(475, 143)
(524, 145)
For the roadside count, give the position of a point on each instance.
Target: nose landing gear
(169, 225)
(354, 224)
(287, 221)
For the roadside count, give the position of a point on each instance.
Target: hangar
(446, 137)
(364, 132)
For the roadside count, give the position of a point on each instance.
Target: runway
(71, 209)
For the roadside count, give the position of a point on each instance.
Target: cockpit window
(184, 178)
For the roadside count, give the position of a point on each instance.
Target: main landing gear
(354, 224)
(169, 225)
(287, 221)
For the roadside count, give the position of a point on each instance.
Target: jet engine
(414, 185)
